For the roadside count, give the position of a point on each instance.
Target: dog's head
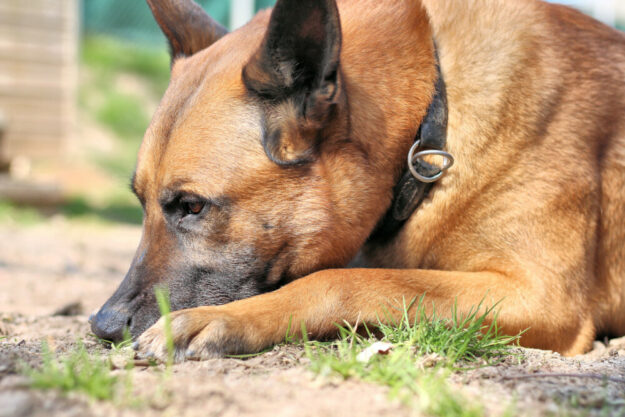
(261, 163)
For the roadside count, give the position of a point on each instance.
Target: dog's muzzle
(110, 324)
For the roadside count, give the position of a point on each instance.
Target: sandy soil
(47, 267)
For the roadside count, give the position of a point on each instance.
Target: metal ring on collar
(412, 157)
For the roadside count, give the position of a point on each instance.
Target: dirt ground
(46, 267)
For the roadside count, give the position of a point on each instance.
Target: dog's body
(532, 214)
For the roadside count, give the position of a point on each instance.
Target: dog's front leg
(328, 297)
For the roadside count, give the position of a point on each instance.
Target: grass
(164, 306)
(461, 338)
(573, 406)
(124, 113)
(116, 346)
(116, 209)
(88, 374)
(23, 216)
(77, 372)
(91, 375)
(109, 57)
(434, 397)
(425, 350)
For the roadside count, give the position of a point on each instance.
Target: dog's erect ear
(297, 65)
(186, 25)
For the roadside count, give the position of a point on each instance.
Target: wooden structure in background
(38, 76)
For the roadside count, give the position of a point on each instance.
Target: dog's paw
(196, 334)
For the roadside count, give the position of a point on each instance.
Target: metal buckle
(413, 157)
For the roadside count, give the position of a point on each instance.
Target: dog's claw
(190, 354)
(135, 346)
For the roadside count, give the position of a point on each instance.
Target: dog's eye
(194, 207)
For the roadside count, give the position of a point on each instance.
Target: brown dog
(276, 153)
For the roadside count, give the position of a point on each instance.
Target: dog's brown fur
(532, 214)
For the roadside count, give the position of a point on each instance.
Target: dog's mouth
(131, 309)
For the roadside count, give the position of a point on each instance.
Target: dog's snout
(110, 324)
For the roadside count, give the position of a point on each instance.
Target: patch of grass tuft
(460, 338)
(423, 350)
(77, 372)
(435, 398)
(162, 298)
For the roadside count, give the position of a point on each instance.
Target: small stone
(377, 348)
(15, 404)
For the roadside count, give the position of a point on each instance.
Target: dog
(277, 189)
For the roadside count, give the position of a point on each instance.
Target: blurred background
(79, 81)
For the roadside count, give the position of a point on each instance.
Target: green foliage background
(132, 20)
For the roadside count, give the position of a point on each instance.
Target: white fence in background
(607, 11)
(241, 11)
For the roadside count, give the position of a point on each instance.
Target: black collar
(415, 185)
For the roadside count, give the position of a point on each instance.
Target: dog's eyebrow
(172, 190)
(182, 187)
(133, 186)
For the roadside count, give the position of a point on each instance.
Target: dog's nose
(110, 324)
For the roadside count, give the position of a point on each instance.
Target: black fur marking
(298, 61)
(300, 51)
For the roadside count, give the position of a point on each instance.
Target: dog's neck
(389, 76)
(419, 176)
(489, 127)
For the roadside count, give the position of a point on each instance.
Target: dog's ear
(296, 73)
(186, 26)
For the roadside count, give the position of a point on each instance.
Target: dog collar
(419, 176)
